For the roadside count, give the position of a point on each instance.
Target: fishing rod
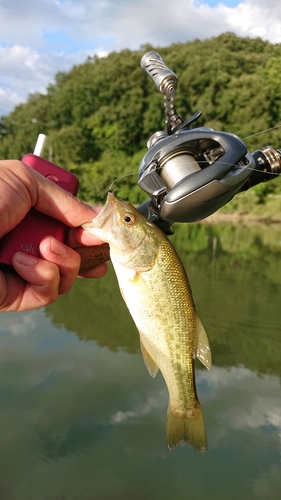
(189, 173)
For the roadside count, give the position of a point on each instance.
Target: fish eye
(129, 219)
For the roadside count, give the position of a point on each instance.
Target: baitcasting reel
(191, 173)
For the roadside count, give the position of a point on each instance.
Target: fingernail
(25, 259)
(57, 247)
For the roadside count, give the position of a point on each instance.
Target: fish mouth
(103, 217)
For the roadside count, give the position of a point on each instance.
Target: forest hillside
(99, 116)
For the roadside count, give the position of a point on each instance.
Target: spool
(176, 167)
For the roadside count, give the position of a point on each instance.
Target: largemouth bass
(155, 287)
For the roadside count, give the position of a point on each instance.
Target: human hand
(38, 282)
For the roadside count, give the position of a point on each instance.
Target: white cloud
(41, 37)
(145, 408)
(12, 325)
(255, 401)
(255, 18)
(237, 398)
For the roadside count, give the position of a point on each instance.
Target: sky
(38, 38)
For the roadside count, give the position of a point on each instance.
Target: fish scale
(156, 290)
(163, 329)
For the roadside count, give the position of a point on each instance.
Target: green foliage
(99, 115)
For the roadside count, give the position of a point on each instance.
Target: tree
(100, 114)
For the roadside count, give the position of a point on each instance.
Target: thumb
(23, 188)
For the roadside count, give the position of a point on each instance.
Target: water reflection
(95, 311)
(236, 294)
(81, 418)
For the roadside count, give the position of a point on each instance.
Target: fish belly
(161, 305)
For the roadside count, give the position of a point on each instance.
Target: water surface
(81, 419)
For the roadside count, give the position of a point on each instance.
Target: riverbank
(245, 209)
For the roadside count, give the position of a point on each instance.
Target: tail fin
(181, 427)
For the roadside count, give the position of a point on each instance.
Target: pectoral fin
(203, 352)
(149, 362)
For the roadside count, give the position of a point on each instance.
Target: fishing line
(118, 179)
(218, 162)
(248, 168)
(262, 132)
(253, 169)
